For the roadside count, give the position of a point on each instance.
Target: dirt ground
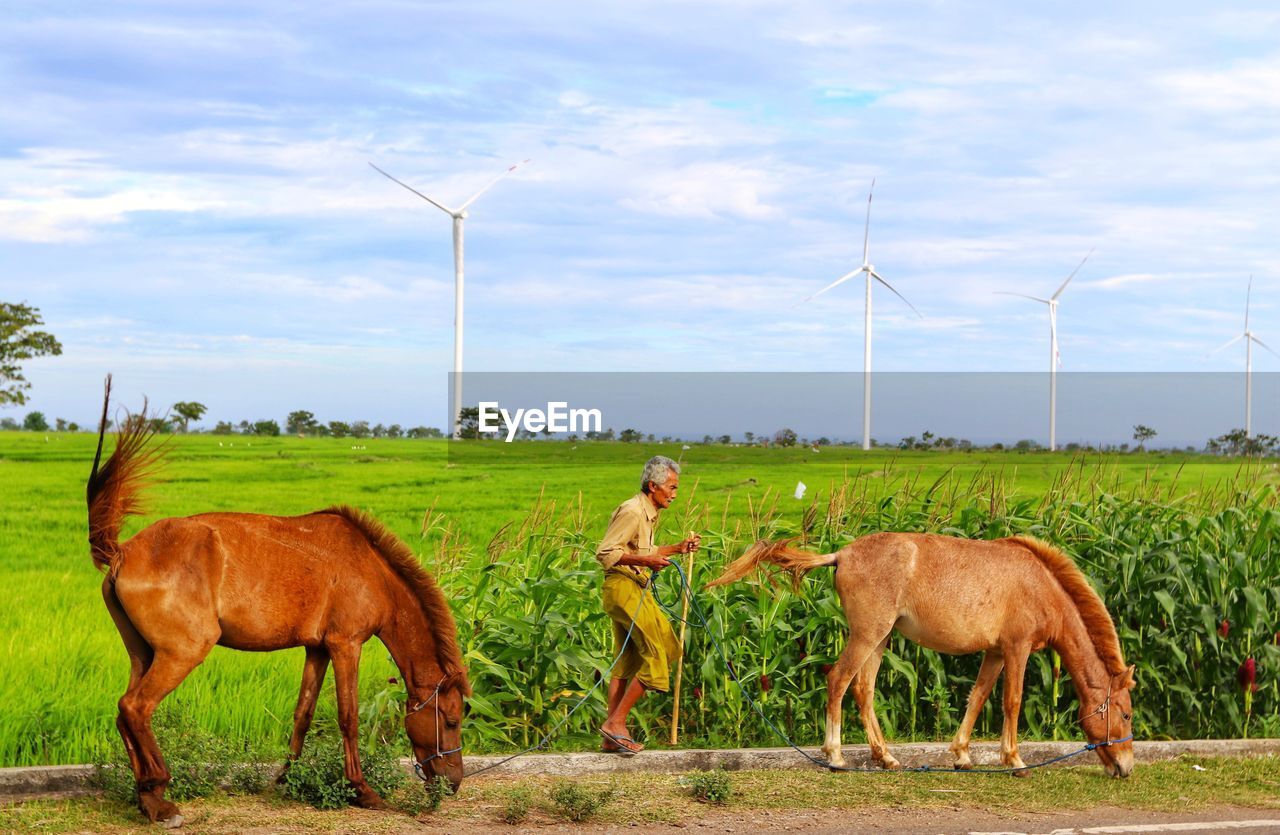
(900, 821)
(1061, 802)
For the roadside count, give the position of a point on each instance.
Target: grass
(518, 576)
(1174, 786)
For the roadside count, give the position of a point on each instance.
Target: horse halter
(1105, 709)
(419, 765)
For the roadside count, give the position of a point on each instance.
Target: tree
(300, 422)
(784, 437)
(750, 438)
(35, 422)
(223, 428)
(394, 431)
(189, 410)
(360, 429)
(266, 427)
(1236, 443)
(629, 436)
(20, 341)
(60, 425)
(1142, 434)
(469, 423)
(338, 429)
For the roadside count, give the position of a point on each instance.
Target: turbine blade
(1247, 297)
(1020, 295)
(439, 206)
(1263, 344)
(877, 277)
(1228, 345)
(841, 280)
(866, 234)
(492, 183)
(1073, 275)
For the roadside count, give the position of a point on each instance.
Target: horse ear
(1128, 680)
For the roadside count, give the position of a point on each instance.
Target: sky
(185, 192)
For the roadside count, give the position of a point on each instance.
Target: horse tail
(114, 487)
(777, 552)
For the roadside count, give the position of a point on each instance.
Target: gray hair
(657, 469)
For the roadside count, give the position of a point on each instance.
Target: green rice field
(1184, 549)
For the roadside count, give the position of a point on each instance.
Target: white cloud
(708, 190)
(1245, 87)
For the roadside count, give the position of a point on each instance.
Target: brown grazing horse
(1006, 598)
(327, 581)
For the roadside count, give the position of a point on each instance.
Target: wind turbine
(871, 273)
(1054, 359)
(1249, 339)
(459, 215)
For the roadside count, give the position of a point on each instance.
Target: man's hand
(693, 543)
(688, 546)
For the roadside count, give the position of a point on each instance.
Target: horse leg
(138, 704)
(864, 693)
(312, 678)
(1014, 671)
(346, 671)
(851, 659)
(140, 656)
(992, 664)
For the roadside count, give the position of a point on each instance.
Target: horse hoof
(968, 766)
(890, 764)
(371, 800)
(172, 822)
(1022, 772)
(159, 810)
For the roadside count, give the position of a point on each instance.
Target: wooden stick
(684, 618)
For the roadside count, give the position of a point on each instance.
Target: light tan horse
(1006, 598)
(327, 581)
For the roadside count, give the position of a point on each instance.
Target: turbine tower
(1054, 358)
(459, 215)
(871, 273)
(1249, 339)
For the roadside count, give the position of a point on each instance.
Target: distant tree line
(305, 424)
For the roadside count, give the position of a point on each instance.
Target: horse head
(433, 721)
(1108, 724)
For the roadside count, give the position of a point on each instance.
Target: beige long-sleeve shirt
(630, 531)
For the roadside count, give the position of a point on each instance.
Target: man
(628, 555)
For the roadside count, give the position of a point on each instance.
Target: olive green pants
(653, 647)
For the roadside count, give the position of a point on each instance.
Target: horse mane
(424, 587)
(1097, 621)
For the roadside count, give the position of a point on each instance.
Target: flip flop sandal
(623, 742)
